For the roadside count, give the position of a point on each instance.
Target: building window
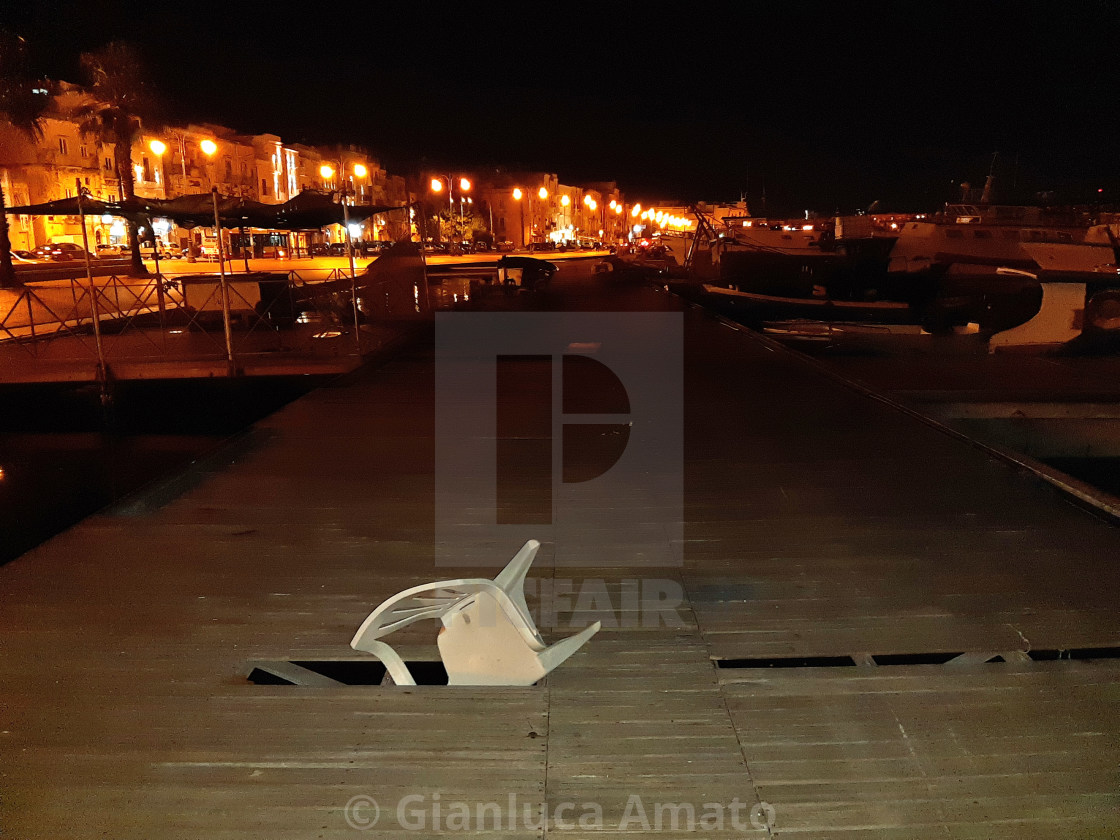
(108, 164)
(264, 186)
(83, 151)
(147, 168)
(62, 149)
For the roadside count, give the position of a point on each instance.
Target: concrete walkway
(847, 572)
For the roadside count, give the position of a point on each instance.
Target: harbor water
(64, 455)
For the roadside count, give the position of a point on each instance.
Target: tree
(118, 81)
(23, 99)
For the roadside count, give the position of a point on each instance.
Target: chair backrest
(429, 600)
(432, 600)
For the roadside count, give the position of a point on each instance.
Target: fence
(278, 320)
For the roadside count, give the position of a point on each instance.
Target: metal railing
(192, 317)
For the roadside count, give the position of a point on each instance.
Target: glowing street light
(517, 196)
(542, 193)
(360, 170)
(158, 148)
(437, 184)
(209, 147)
(565, 201)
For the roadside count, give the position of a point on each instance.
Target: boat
(760, 308)
(1080, 284)
(980, 236)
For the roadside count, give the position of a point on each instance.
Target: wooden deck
(817, 523)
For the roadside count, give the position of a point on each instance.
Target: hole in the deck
(342, 672)
(935, 658)
(1087, 654)
(259, 677)
(1075, 653)
(789, 662)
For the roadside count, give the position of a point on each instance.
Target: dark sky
(826, 106)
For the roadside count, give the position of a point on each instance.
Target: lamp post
(209, 147)
(517, 196)
(328, 172)
(465, 185)
(158, 148)
(542, 194)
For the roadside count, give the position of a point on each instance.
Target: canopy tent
(308, 210)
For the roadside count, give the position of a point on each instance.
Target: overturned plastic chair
(488, 636)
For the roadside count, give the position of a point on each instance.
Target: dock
(878, 630)
(203, 324)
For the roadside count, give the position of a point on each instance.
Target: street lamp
(209, 147)
(158, 148)
(437, 184)
(517, 196)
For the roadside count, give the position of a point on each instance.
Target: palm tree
(117, 80)
(23, 99)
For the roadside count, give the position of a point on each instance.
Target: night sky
(824, 106)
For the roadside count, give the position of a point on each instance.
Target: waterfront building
(518, 207)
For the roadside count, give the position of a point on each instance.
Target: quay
(191, 322)
(881, 631)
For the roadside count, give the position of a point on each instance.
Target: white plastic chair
(488, 636)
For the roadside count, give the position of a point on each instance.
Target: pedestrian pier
(879, 631)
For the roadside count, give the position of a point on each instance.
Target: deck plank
(816, 522)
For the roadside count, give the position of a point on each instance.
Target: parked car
(369, 249)
(61, 252)
(318, 249)
(24, 257)
(111, 250)
(337, 249)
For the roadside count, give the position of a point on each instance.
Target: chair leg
(392, 661)
(553, 656)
